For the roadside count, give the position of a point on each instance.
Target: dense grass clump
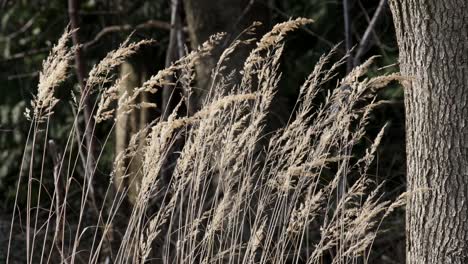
(235, 193)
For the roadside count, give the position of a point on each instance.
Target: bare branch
(347, 34)
(364, 43)
(173, 52)
(21, 30)
(127, 27)
(27, 53)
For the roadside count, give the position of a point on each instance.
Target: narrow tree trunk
(126, 127)
(173, 53)
(433, 42)
(73, 7)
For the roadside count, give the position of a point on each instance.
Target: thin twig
(27, 53)
(21, 30)
(172, 54)
(347, 34)
(23, 75)
(364, 43)
(127, 27)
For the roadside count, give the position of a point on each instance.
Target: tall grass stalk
(238, 193)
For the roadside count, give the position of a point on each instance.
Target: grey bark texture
(433, 42)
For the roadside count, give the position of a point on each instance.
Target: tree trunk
(433, 43)
(126, 127)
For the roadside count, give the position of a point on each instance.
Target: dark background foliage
(28, 29)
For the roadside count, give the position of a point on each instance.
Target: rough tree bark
(433, 43)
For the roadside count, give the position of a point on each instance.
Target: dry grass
(301, 197)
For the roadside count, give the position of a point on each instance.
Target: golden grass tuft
(236, 194)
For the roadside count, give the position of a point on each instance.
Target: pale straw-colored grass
(237, 193)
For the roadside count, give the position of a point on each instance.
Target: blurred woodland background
(29, 28)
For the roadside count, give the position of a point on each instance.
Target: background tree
(433, 43)
(28, 29)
